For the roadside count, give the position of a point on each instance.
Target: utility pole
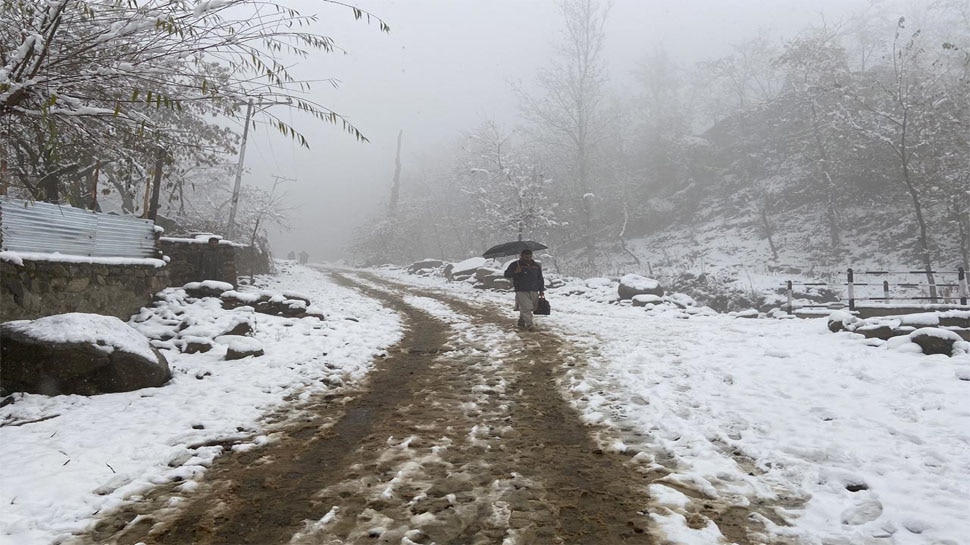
(235, 188)
(156, 184)
(234, 204)
(396, 185)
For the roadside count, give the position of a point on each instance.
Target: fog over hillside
(621, 134)
(787, 127)
(775, 124)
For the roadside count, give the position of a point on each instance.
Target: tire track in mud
(459, 436)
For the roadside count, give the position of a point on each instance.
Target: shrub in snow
(716, 291)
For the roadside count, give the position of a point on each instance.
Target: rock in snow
(78, 353)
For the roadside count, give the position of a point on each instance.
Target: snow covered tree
(80, 80)
(508, 191)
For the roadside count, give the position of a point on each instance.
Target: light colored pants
(525, 302)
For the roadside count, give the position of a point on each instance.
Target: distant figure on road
(529, 286)
(210, 261)
(304, 257)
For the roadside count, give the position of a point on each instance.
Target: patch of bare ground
(459, 436)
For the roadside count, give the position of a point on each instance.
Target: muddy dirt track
(459, 436)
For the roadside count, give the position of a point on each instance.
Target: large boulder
(634, 284)
(78, 353)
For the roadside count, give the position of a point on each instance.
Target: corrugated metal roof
(28, 226)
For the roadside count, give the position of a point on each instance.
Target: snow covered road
(611, 424)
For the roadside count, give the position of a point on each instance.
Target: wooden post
(885, 290)
(851, 290)
(789, 297)
(962, 276)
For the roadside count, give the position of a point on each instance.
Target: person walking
(526, 276)
(209, 266)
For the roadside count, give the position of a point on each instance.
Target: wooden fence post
(962, 275)
(851, 291)
(789, 297)
(885, 290)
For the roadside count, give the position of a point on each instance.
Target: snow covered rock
(934, 340)
(424, 266)
(207, 288)
(279, 306)
(287, 304)
(839, 320)
(634, 284)
(238, 347)
(863, 512)
(880, 331)
(646, 299)
(464, 269)
(494, 281)
(194, 345)
(681, 300)
(78, 353)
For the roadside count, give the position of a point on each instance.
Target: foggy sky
(445, 67)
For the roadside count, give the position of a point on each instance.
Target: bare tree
(910, 107)
(570, 114)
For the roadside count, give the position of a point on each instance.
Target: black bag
(542, 307)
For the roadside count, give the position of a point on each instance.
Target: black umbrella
(513, 248)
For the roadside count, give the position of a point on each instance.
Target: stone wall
(30, 289)
(33, 288)
(184, 254)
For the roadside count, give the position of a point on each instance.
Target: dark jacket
(526, 277)
(209, 266)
